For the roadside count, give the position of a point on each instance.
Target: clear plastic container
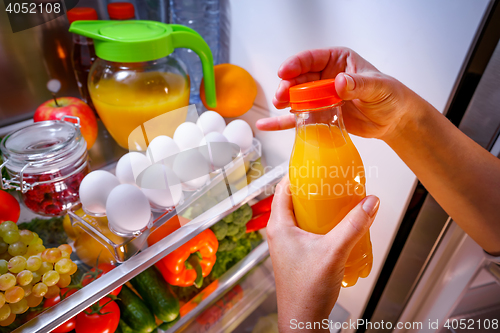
(327, 176)
(46, 161)
(220, 189)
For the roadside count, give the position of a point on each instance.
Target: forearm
(462, 176)
(295, 313)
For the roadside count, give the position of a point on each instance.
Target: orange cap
(121, 11)
(313, 95)
(81, 14)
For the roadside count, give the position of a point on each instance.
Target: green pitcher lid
(138, 41)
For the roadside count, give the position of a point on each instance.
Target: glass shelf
(205, 218)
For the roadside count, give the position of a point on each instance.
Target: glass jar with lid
(46, 162)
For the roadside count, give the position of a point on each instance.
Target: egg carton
(222, 184)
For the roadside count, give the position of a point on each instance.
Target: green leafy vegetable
(229, 218)
(51, 231)
(242, 215)
(241, 232)
(220, 230)
(232, 229)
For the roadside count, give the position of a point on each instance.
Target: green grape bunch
(28, 271)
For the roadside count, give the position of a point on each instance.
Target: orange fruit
(235, 90)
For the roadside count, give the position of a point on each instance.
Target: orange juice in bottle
(326, 173)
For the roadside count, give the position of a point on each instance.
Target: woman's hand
(308, 267)
(376, 105)
(462, 176)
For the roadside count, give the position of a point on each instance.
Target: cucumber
(156, 293)
(166, 326)
(123, 328)
(134, 312)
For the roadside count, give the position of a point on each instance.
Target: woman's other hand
(308, 267)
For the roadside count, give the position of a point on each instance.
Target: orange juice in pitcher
(134, 79)
(327, 177)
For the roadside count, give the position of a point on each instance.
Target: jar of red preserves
(46, 162)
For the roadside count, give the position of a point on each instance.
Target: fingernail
(279, 86)
(370, 206)
(350, 82)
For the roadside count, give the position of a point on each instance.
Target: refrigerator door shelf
(71, 306)
(221, 186)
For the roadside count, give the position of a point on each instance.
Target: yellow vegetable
(87, 248)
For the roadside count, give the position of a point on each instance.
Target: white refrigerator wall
(422, 43)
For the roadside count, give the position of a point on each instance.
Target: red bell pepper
(191, 262)
(262, 206)
(259, 222)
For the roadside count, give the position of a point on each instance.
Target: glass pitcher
(135, 79)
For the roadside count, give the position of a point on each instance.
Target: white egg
(192, 169)
(162, 147)
(239, 133)
(211, 121)
(213, 137)
(94, 191)
(130, 166)
(127, 209)
(218, 152)
(193, 185)
(160, 184)
(187, 136)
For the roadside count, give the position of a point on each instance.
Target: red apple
(70, 106)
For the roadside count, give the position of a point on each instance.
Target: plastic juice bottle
(326, 173)
(83, 53)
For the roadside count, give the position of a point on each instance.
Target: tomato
(90, 321)
(55, 300)
(9, 207)
(69, 324)
(103, 268)
(65, 327)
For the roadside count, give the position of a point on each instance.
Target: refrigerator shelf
(206, 316)
(494, 270)
(98, 289)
